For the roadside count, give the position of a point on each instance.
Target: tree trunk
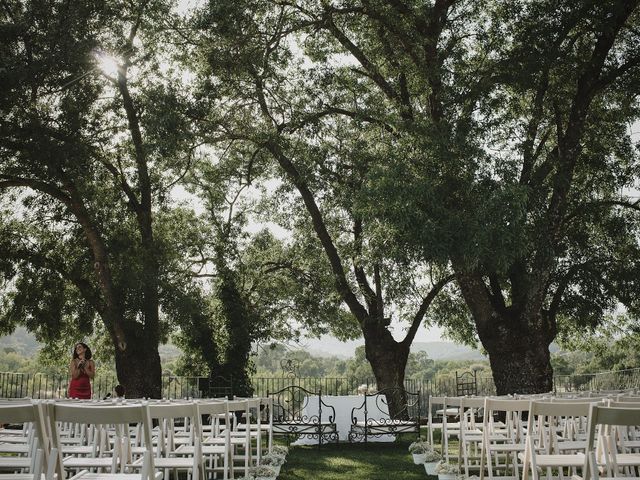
(519, 354)
(138, 365)
(388, 359)
(238, 321)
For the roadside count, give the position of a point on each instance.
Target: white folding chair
(604, 422)
(168, 458)
(450, 408)
(118, 416)
(216, 441)
(503, 436)
(27, 463)
(470, 433)
(251, 421)
(434, 403)
(240, 440)
(628, 438)
(552, 442)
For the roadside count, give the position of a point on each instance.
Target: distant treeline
(615, 355)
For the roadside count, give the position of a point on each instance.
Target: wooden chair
(240, 444)
(603, 424)
(215, 441)
(118, 416)
(250, 421)
(433, 409)
(168, 457)
(29, 462)
(552, 442)
(503, 436)
(470, 433)
(451, 409)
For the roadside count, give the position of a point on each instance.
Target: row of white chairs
(557, 437)
(133, 440)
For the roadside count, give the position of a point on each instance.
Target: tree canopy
(464, 163)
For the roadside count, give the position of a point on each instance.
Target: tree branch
(424, 306)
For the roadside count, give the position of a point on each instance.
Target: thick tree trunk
(519, 354)
(238, 321)
(138, 365)
(388, 359)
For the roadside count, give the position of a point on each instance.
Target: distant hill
(330, 347)
(25, 343)
(22, 342)
(447, 351)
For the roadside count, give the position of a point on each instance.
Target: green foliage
(419, 366)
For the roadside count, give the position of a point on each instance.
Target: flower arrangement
(420, 446)
(432, 456)
(273, 459)
(444, 468)
(280, 450)
(263, 471)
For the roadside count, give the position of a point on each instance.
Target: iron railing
(598, 382)
(45, 386)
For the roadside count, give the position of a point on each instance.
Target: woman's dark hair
(87, 353)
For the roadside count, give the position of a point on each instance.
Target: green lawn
(376, 461)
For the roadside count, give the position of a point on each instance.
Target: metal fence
(600, 382)
(44, 386)
(39, 385)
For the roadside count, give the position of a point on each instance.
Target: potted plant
(274, 460)
(431, 461)
(419, 450)
(447, 471)
(280, 450)
(264, 472)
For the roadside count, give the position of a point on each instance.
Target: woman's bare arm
(90, 368)
(74, 370)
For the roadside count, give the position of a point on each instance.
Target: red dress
(80, 387)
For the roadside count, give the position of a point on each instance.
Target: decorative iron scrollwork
(290, 367)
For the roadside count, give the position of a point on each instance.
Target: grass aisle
(376, 461)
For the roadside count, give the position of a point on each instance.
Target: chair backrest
(601, 417)
(166, 414)
(218, 411)
(594, 399)
(18, 412)
(291, 402)
(98, 414)
(398, 403)
(37, 440)
(509, 411)
(220, 386)
(545, 418)
(466, 383)
(470, 409)
(627, 399)
(620, 404)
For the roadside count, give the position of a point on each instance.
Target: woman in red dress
(82, 370)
